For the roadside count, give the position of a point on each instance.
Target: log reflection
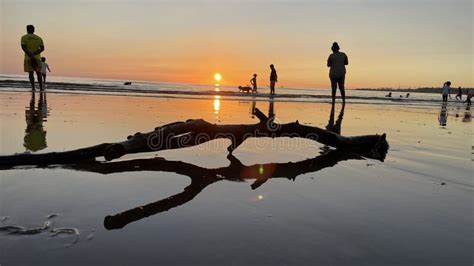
(203, 177)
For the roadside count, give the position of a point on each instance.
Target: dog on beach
(246, 89)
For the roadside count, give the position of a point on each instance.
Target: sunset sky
(390, 43)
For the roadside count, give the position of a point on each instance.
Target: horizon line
(230, 85)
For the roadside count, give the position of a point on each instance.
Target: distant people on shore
(273, 79)
(446, 91)
(253, 81)
(44, 67)
(389, 95)
(337, 62)
(408, 95)
(459, 95)
(469, 95)
(32, 45)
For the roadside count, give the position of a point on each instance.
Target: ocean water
(413, 208)
(203, 91)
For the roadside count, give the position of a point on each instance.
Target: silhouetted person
(389, 95)
(446, 90)
(469, 95)
(35, 135)
(32, 45)
(337, 62)
(408, 95)
(459, 95)
(44, 67)
(273, 79)
(253, 81)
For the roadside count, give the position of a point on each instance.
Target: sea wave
(180, 90)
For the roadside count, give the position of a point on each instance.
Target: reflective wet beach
(255, 208)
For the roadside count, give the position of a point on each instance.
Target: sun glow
(217, 76)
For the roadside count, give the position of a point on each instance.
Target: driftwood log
(197, 131)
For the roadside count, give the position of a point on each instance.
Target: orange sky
(389, 44)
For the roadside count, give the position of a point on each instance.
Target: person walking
(273, 79)
(459, 95)
(44, 67)
(337, 62)
(32, 45)
(446, 91)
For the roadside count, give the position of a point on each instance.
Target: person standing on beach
(273, 79)
(32, 45)
(253, 81)
(469, 95)
(459, 95)
(337, 62)
(44, 67)
(446, 91)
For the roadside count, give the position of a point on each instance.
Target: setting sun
(217, 76)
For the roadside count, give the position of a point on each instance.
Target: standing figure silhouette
(273, 79)
(337, 62)
(32, 45)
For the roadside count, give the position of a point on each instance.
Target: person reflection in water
(35, 135)
(252, 108)
(443, 115)
(467, 115)
(271, 109)
(335, 127)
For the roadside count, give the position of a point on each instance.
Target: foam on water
(13, 229)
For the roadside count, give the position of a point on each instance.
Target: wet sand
(415, 208)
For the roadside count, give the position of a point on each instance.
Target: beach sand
(415, 208)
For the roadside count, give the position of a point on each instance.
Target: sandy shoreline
(415, 208)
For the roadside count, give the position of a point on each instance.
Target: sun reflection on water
(217, 104)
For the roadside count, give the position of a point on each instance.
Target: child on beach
(446, 91)
(44, 66)
(253, 81)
